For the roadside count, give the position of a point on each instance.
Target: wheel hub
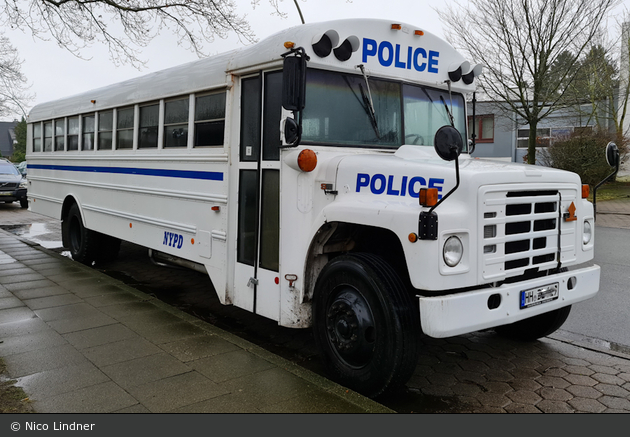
(350, 327)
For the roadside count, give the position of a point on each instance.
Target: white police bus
(317, 178)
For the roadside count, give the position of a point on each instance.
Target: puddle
(39, 233)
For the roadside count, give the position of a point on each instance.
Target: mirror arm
(609, 177)
(454, 188)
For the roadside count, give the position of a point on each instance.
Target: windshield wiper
(367, 101)
(450, 116)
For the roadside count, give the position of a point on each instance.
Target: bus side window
(176, 123)
(149, 122)
(73, 133)
(209, 120)
(124, 128)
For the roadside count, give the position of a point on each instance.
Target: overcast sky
(53, 72)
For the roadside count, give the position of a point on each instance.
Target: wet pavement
(478, 372)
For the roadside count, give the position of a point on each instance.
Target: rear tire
(535, 327)
(83, 243)
(365, 324)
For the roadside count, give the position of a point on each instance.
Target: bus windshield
(338, 111)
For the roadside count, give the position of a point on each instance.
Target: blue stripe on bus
(186, 174)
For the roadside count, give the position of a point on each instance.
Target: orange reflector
(419, 33)
(192, 241)
(289, 45)
(216, 208)
(307, 160)
(130, 225)
(428, 196)
(586, 190)
(413, 237)
(396, 27)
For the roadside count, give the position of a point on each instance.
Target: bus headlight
(453, 251)
(587, 233)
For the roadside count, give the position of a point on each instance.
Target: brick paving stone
(437, 390)
(581, 380)
(576, 362)
(553, 371)
(497, 387)
(474, 366)
(626, 386)
(607, 379)
(604, 369)
(526, 363)
(524, 397)
(554, 407)
(494, 363)
(467, 389)
(625, 368)
(555, 394)
(442, 379)
(449, 368)
(579, 370)
(624, 376)
(493, 400)
(522, 409)
(612, 390)
(525, 373)
(488, 410)
(552, 381)
(525, 384)
(586, 405)
(582, 391)
(499, 375)
(615, 402)
(418, 382)
(465, 376)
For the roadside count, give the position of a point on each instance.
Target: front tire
(365, 324)
(535, 327)
(83, 243)
(24, 202)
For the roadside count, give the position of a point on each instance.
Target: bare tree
(13, 85)
(518, 41)
(125, 26)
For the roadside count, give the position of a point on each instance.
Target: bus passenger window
(176, 123)
(149, 121)
(60, 134)
(37, 137)
(209, 120)
(124, 129)
(105, 125)
(73, 133)
(48, 133)
(88, 133)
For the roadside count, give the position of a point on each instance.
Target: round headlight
(587, 234)
(453, 251)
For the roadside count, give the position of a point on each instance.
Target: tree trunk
(531, 143)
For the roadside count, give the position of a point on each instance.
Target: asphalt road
(607, 315)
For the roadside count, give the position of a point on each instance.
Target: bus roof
(386, 49)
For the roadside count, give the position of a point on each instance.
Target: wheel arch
(336, 238)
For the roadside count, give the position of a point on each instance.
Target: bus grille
(520, 232)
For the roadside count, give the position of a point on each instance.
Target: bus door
(256, 280)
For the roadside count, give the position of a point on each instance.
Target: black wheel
(24, 202)
(83, 243)
(365, 324)
(108, 248)
(535, 327)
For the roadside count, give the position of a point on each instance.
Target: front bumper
(13, 195)
(461, 313)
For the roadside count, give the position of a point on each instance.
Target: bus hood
(401, 175)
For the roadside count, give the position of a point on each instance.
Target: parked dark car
(12, 184)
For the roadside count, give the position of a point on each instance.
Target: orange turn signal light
(289, 44)
(307, 160)
(419, 32)
(396, 27)
(428, 196)
(586, 190)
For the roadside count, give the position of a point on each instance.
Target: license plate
(6, 193)
(539, 295)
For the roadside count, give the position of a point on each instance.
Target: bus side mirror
(612, 155)
(448, 143)
(294, 83)
(290, 131)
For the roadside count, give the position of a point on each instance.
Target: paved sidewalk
(78, 341)
(613, 213)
